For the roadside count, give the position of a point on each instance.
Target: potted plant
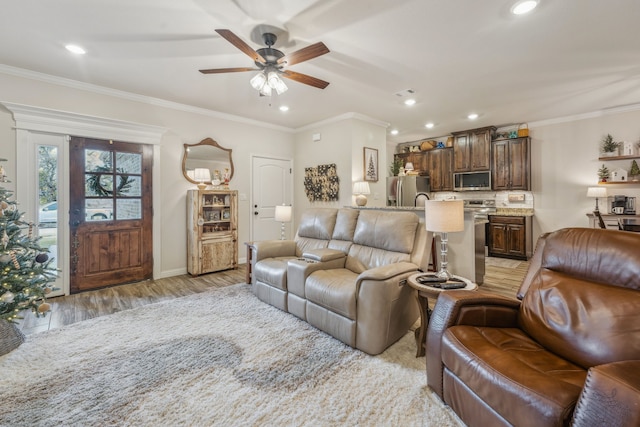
(394, 169)
(603, 173)
(634, 172)
(609, 146)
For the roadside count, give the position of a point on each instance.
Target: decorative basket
(10, 337)
(427, 145)
(523, 130)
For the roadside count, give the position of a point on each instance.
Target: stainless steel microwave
(472, 181)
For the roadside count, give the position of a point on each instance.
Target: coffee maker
(622, 205)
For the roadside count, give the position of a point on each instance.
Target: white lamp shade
(283, 213)
(408, 166)
(258, 81)
(444, 215)
(201, 175)
(361, 187)
(596, 192)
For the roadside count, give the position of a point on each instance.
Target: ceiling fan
(271, 62)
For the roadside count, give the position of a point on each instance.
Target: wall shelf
(604, 159)
(619, 183)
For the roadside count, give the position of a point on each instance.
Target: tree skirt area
(221, 357)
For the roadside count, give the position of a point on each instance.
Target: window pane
(98, 185)
(98, 209)
(98, 161)
(129, 186)
(47, 164)
(130, 163)
(128, 209)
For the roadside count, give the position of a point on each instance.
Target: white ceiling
(568, 57)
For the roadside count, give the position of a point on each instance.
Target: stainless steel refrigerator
(408, 190)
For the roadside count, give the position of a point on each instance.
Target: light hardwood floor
(78, 307)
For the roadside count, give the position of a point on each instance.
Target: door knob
(256, 213)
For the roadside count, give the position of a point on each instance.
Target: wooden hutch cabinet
(212, 230)
(472, 149)
(510, 165)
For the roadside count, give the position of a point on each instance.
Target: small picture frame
(370, 164)
(216, 216)
(226, 214)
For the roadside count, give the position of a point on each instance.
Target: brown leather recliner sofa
(567, 352)
(345, 273)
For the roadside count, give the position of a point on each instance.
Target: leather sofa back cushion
(392, 231)
(583, 301)
(317, 223)
(345, 224)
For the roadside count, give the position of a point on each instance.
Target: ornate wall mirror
(206, 154)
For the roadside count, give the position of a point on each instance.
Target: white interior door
(271, 185)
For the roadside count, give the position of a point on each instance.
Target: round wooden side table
(424, 293)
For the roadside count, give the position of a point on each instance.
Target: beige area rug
(219, 358)
(501, 262)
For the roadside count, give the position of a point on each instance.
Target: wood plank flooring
(78, 307)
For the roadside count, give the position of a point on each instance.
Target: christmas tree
(603, 173)
(24, 266)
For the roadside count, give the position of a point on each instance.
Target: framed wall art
(370, 164)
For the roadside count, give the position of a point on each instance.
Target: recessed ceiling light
(410, 101)
(472, 116)
(394, 132)
(284, 108)
(429, 125)
(524, 6)
(75, 49)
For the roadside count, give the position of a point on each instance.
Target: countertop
(514, 212)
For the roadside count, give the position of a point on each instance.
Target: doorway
(271, 185)
(110, 213)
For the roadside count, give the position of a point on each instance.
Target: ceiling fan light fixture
(275, 82)
(265, 90)
(258, 81)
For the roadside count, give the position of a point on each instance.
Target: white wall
(564, 158)
(183, 127)
(342, 142)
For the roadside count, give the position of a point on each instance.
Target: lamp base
(361, 200)
(202, 186)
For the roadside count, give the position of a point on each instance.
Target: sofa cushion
(317, 223)
(273, 271)
(346, 221)
(536, 387)
(334, 290)
(585, 322)
(393, 232)
(362, 258)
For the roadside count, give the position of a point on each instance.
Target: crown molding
(66, 123)
(590, 115)
(342, 117)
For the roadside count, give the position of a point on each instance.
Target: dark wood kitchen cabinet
(439, 166)
(508, 236)
(511, 164)
(472, 149)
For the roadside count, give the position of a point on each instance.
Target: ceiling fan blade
(305, 54)
(227, 70)
(303, 78)
(237, 42)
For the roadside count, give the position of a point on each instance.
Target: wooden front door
(110, 214)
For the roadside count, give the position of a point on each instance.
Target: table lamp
(444, 216)
(360, 189)
(282, 215)
(201, 176)
(596, 192)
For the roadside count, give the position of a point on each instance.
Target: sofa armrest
(323, 254)
(273, 248)
(385, 272)
(462, 307)
(610, 396)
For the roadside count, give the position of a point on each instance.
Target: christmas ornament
(5, 239)
(42, 258)
(44, 307)
(7, 297)
(14, 259)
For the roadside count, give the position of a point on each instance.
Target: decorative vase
(10, 337)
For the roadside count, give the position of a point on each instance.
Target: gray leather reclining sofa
(345, 273)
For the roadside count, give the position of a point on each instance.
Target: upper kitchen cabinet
(472, 149)
(440, 161)
(511, 164)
